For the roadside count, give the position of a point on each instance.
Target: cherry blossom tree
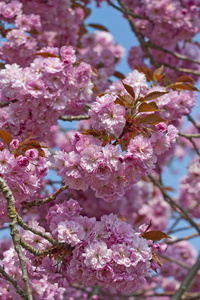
(104, 224)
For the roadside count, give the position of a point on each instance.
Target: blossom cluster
(184, 252)
(99, 50)
(51, 86)
(107, 170)
(36, 31)
(22, 172)
(190, 187)
(142, 203)
(61, 29)
(106, 252)
(190, 50)
(98, 162)
(167, 21)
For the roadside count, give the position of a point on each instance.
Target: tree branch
(175, 54)
(45, 200)
(74, 118)
(176, 206)
(139, 35)
(186, 282)
(190, 138)
(191, 236)
(178, 262)
(14, 283)
(125, 12)
(193, 122)
(15, 234)
(43, 235)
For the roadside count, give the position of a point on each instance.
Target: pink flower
(70, 232)
(97, 255)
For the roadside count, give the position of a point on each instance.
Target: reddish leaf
(95, 87)
(27, 138)
(87, 12)
(46, 54)
(148, 107)
(128, 101)
(185, 86)
(154, 95)
(158, 73)
(148, 72)
(156, 258)
(139, 219)
(122, 218)
(144, 133)
(102, 94)
(129, 89)
(81, 30)
(154, 105)
(95, 72)
(185, 79)
(166, 81)
(119, 75)
(148, 227)
(102, 135)
(27, 144)
(98, 26)
(24, 148)
(167, 188)
(90, 131)
(155, 235)
(158, 77)
(119, 101)
(6, 137)
(151, 119)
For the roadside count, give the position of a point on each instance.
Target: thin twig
(127, 13)
(186, 282)
(181, 70)
(15, 234)
(4, 104)
(175, 205)
(45, 200)
(193, 122)
(175, 54)
(189, 137)
(74, 118)
(178, 262)
(191, 236)
(14, 283)
(139, 35)
(43, 235)
(179, 229)
(170, 230)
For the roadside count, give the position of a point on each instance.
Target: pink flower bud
(14, 144)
